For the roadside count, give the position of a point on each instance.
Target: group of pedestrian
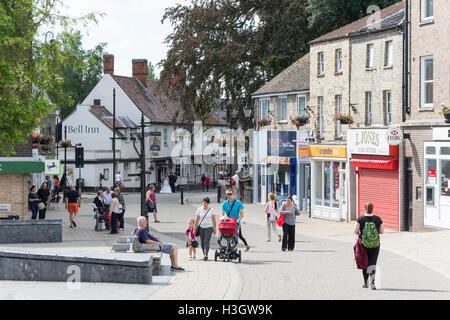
(289, 211)
(206, 182)
(112, 206)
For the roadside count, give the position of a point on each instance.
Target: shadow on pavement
(410, 290)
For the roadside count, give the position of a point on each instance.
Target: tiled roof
(293, 78)
(389, 22)
(106, 117)
(360, 24)
(154, 103)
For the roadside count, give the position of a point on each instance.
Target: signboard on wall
(155, 141)
(367, 141)
(280, 143)
(52, 167)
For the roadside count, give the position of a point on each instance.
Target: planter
(447, 117)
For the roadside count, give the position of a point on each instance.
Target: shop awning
(375, 163)
(22, 166)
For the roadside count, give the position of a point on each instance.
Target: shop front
(277, 167)
(437, 179)
(376, 164)
(328, 182)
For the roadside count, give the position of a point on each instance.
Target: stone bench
(122, 245)
(30, 231)
(33, 264)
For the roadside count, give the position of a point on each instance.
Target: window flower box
(66, 143)
(343, 118)
(264, 122)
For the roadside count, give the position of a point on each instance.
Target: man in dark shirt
(73, 203)
(172, 181)
(44, 195)
(145, 237)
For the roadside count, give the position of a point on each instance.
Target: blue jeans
(113, 222)
(34, 211)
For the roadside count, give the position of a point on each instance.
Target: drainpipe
(405, 109)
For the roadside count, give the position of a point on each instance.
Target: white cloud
(132, 28)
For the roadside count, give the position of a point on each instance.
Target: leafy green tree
(327, 15)
(151, 72)
(81, 73)
(225, 50)
(29, 65)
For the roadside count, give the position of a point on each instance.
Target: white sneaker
(190, 258)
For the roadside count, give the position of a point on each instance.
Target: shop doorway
(408, 194)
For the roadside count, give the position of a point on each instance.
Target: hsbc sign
(394, 136)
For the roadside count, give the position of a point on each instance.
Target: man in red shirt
(207, 182)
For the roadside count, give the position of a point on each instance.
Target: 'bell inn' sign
(367, 141)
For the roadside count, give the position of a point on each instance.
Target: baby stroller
(100, 219)
(228, 229)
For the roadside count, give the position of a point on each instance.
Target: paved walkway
(411, 265)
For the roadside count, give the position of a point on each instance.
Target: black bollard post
(218, 193)
(181, 191)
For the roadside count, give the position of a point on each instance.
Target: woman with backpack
(368, 227)
(272, 209)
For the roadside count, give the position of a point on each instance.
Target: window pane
(445, 151)
(430, 171)
(335, 185)
(428, 69)
(284, 101)
(445, 178)
(431, 150)
(327, 183)
(301, 105)
(429, 92)
(429, 10)
(319, 194)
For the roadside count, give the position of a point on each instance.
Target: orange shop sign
(322, 151)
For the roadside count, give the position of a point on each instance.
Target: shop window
(430, 172)
(431, 150)
(445, 151)
(319, 178)
(327, 183)
(445, 178)
(335, 185)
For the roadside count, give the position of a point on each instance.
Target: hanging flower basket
(446, 113)
(220, 141)
(44, 148)
(47, 139)
(300, 121)
(36, 139)
(66, 143)
(264, 122)
(343, 118)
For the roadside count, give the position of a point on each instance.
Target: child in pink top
(190, 240)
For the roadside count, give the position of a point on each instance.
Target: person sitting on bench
(145, 237)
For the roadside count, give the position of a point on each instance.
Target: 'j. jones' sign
(83, 129)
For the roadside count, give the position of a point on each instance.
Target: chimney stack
(140, 70)
(108, 64)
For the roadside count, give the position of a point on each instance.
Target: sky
(132, 29)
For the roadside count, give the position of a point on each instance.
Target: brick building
(427, 150)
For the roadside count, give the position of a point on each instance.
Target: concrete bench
(122, 245)
(30, 231)
(33, 264)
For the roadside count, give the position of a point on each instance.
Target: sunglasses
(229, 194)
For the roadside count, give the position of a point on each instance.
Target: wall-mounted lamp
(308, 108)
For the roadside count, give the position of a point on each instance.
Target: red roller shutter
(381, 188)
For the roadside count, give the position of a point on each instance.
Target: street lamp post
(114, 135)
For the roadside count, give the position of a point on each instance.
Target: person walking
(207, 182)
(191, 242)
(368, 227)
(151, 203)
(121, 213)
(206, 222)
(101, 209)
(107, 197)
(44, 195)
(33, 200)
(172, 181)
(114, 209)
(56, 186)
(233, 208)
(73, 203)
(272, 210)
(290, 212)
(118, 179)
(203, 182)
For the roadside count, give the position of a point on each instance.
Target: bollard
(218, 193)
(181, 191)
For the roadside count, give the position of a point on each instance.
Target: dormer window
(97, 102)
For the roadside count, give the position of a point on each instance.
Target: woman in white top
(206, 221)
(272, 210)
(114, 209)
(166, 187)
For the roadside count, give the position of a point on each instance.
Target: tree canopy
(29, 65)
(222, 51)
